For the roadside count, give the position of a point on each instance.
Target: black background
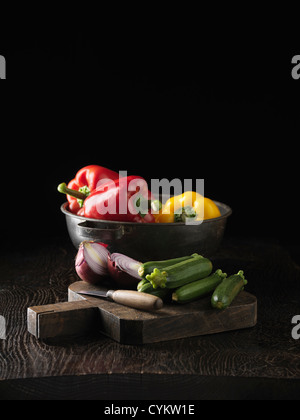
(175, 102)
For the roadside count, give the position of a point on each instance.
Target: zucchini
(141, 284)
(196, 289)
(149, 266)
(148, 288)
(182, 273)
(227, 291)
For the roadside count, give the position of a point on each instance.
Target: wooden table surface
(261, 362)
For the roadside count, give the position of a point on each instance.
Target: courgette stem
(182, 273)
(157, 278)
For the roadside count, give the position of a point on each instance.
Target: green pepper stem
(154, 205)
(62, 188)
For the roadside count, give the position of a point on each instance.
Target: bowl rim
(227, 212)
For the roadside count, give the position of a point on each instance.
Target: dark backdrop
(174, 106)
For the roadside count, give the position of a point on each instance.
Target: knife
(132, 298)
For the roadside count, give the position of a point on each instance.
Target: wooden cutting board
(130, 326)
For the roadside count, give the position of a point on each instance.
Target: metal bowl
(150, 241)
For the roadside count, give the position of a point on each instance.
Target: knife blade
(131, 298)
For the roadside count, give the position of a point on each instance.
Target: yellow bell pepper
(190, 202)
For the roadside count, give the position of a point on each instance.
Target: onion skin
(122, 279)
(83, 270)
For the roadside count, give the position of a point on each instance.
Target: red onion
(91, 261)
(124, 270)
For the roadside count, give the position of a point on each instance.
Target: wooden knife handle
(137, 300)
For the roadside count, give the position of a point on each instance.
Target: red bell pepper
(85, 182)
(124, 200)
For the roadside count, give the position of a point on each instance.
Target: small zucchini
(182, 273)
(141, 284)
(227, 291)
(149, 266)
(197, 289)
(148, 288)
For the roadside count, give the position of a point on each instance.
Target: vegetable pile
(180, 280)
(100, 193)
(187, 279)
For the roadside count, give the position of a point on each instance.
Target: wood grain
(132, 326)
(265, 358)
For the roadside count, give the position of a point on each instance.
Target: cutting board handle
(62, 319)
